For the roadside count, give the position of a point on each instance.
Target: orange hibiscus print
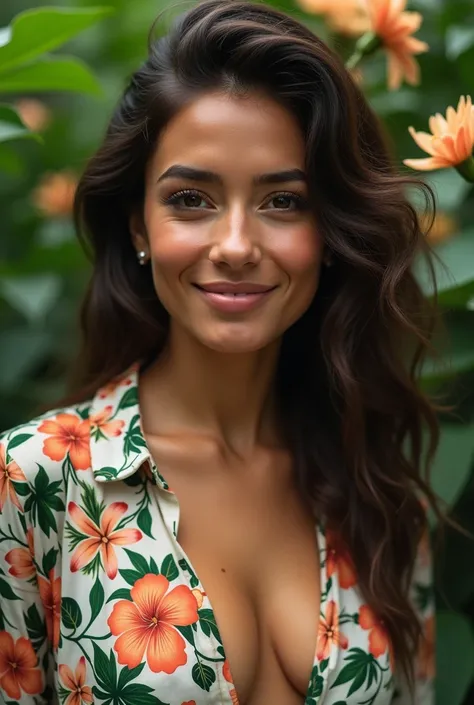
(9, 472)
(75, 683)
(147, 624)
(227, 675)
(102, 538)
(378, 636)
(21, 559)
(50, 593)
(102, 426)
(18, 670)
(68, 435)
(328, 633)
(339, 561)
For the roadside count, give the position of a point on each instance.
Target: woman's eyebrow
(192, 174)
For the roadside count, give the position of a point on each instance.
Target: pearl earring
(142, 257)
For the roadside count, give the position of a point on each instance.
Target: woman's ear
(138, 233)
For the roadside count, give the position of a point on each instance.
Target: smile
(234, 298)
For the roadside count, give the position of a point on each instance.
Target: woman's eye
(286, 202)
(186, 199)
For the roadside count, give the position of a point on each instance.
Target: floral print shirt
(99, 603)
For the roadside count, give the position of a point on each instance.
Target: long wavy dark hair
(348, 376)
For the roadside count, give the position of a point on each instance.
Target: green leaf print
(35, 627)
(130, 398)
(138, 693)
(144, 522)
(6, 591)
(96, 598)
(49, 560)
(105, 669)
(129, 674)
(203, 676)
(120, 594)
(208, 624)
(91, 505)
(71, 615)
(188, 633)
(356, 671)
(107, 472)
(315, 685)
(169, 568)
(131, 576)
(138, 562)
(18, 440)
(22, 489)
(184, 565)
(43, 500)
(153, 567)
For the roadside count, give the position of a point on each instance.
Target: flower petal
(109, 558)
(9, 683)
(179, 607)
(428, 164)
(166, 650)
(131, 646)
(81, 672)
(56, 447)
(82, 521)
(378, 642)
(124, 537)
(84, 553)
(67, 677)
(148, 592)
(125, 616)
(112, 516)
(24, 653)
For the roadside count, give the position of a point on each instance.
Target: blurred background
(67, 97)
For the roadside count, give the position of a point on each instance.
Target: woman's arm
(422, 596)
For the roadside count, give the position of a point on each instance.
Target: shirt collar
(117, 444)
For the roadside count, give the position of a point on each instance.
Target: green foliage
(43, 272)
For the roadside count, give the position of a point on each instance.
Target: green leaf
(96, 598)
(71, 615)
(208, 623)
(130, 398)
(452, 465)
(129, 674)
(188, 633)
(120, 594)
(169, 568)
(6, 591)
(459, 38)
(35, 626)
(21, 488)
(203, 676)
(454, 657)
(138, 693)
(102, 669)
(144, 522)
(51, 74)
(356, 662)
(131, 576)
(37, 31)
(455, 276)
(12, 126)
(18, 440)
(315, 685)
(138, 562)
(49, 560)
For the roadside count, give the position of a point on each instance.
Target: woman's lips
(234, 301)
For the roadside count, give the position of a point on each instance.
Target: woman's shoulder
(37, 450)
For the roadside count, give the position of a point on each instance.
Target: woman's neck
(227, 396)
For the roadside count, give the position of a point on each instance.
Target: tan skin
(208, 408)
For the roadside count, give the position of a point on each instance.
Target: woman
(226, 510)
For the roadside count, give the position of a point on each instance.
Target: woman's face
(234, 249)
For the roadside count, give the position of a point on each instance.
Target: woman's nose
(235, 243)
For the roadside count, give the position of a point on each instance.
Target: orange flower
(35, 115)
(112, 386)
(451, 141)
(75, 683)
(339, 561)
(328, 633)
(101, 426)
(9, 473)
(378, 637)
(348, 17)
(395, 28)
(69, 434)
(148, 624)
(426, 653)
(54, 196)
(18, 670)
(228, 676)
(102, 538)
(21, 559)
(50, 593)
(199, 595)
